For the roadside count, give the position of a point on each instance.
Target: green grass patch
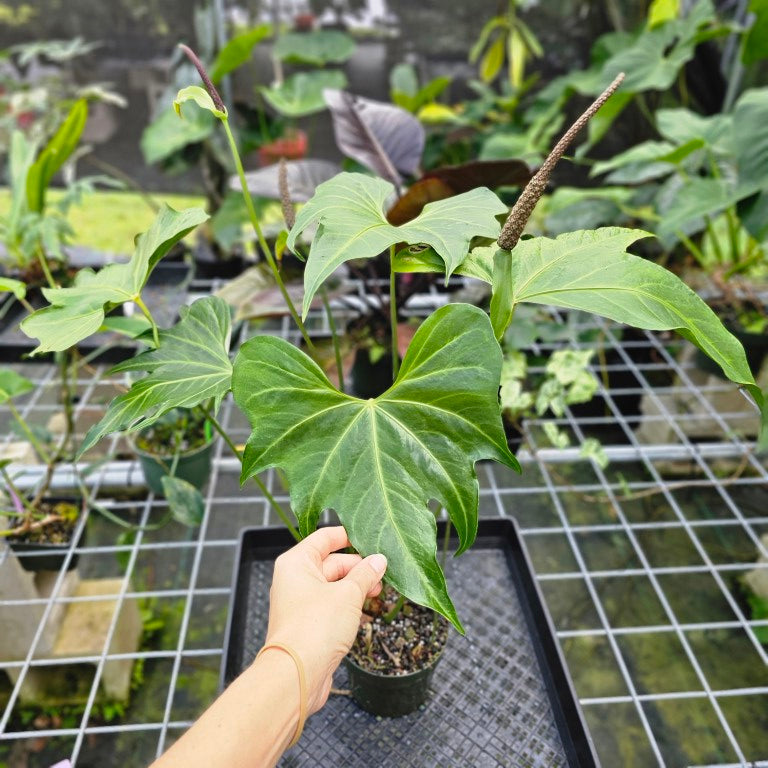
(109, 220)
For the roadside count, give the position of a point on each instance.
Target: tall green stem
(390, 616)
(30, 511)
(29, 434)
(733, 235)
(45, 267)
(260, 235)
(145, 309)
(263, 488)
(393, 312)
(334, 337)
(715, 242)
(692, 247)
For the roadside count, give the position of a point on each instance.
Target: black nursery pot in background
(45, 555)
(370, 379)
(209, 264)
(193, 466)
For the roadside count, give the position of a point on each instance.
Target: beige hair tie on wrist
(302, 685)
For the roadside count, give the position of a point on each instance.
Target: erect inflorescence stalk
(207, 82)
(523, 208)
(289, 212)
(220, 111)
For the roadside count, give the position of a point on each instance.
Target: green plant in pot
(711, 179)
(34, 234)
(81, 309)
(177, 445)
(388, 465)
(33, 231)
(34, 520)
(699, 183)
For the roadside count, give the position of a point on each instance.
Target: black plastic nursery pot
(193, 466)
(47, 556)
(370, 379)
(502, 695)
(389, 695)
(209, 265)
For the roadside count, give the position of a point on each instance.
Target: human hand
(315, 604)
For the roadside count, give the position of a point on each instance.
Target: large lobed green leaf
(349, 211)
(190, 366)
(78, 311)
(238, 51)
(378, 462)
(654, 58)
(591, 271)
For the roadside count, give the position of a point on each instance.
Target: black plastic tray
(502, 696)
(164, 293)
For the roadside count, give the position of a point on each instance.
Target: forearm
(249, 725)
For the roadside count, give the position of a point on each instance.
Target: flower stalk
(523, 208)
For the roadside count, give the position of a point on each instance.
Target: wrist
(280, 662)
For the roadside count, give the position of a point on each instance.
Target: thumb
(367, 573)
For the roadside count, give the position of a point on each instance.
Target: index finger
(325, 540)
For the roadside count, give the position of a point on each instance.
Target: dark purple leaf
(380, 136)
(412, 203)
(482, 173)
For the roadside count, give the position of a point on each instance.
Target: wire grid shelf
(641, 564)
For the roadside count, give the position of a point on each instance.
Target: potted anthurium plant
(33, 232)
(378, 462)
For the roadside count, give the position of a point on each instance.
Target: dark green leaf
(653, 61)
(755, 45)
(645, 152)
(190, 366)
(681, 126)
(478, 264)
(346, 454)
(349, 211)
(502, 306)
(238, 51)
(185, 502)
(54, 155)
(692, 202)
(750, 137)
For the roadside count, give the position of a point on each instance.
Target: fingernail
(378, 563)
